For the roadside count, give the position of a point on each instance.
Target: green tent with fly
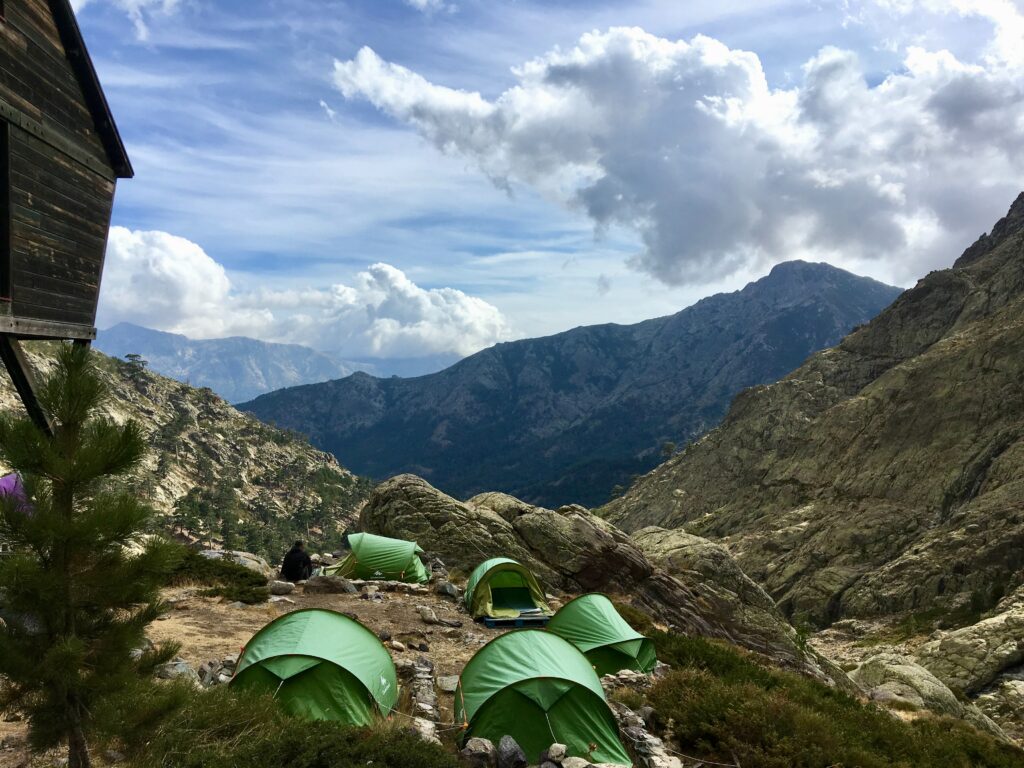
(501, 588)
(381, 558)
(538, 689)
(320, 665)
(591, 624)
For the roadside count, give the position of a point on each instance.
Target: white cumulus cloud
(687, 144)
(167, 282)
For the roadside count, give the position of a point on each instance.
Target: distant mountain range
(568, 417)
(239, 368)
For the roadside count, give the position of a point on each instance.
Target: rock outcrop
(571, 549)
(970, 658)
(885, 474)
(894, 680)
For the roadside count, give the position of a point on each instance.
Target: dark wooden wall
(61, 183)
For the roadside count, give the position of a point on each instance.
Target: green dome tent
(591, 623)
(381, 558)
(320, 665)
(537, 688)
(502, 588)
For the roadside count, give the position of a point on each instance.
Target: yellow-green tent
(591, 623)
(501, 588)
(320, 665)
(382, 559)
(538, 689)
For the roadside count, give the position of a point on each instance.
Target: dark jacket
(297, 565)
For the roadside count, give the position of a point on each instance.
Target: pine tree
(77, 601)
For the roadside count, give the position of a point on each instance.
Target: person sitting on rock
(297, 564)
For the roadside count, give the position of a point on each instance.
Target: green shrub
(628, 697)
(224, 578)
(726, 706)
(173, 726)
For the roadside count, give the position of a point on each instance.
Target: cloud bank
(685, 143)
(167, 282)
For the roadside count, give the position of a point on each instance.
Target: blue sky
(276, 164)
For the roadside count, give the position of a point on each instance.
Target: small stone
(446, 588)
(426, 729)
(575, 762)
(479, 753)
(281, 587)
(427, 614)
(448, 683)
(510, 754)
(556, 753)
(177, 669)
(236, 604)
(384, 635)
(280, 599)
(397, 646)
(424, 647)
(329, 585)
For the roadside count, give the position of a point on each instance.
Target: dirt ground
(211, 628)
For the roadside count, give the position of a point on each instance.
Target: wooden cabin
(60, 158)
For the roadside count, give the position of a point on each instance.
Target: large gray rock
(891, 678)
(281, 587)
(1003, 701)
(330, 585)
(479, 753)
(576, 551)
(248, 559)
(970, 658)
(510, 754)
(690, 557)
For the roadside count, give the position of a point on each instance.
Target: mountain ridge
(886, 473)
(575, 413)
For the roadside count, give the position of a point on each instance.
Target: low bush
(726, 706)
(174, 726)
(221, 577)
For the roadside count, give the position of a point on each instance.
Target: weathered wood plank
(5, 213)
(80, 253)
(52, 138)
(40, 16)
(79, 287)
(42, 305)
(37, 59)
(58, 227)
(24, 328)
(34, 157)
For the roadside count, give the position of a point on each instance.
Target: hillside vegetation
(217, 475)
